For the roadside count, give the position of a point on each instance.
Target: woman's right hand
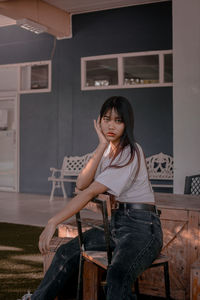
(46, 236)
(101, 136)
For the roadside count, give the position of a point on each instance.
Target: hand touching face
(97, 126)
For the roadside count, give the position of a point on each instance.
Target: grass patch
(21, 266)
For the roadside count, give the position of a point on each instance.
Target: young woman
(117, 167)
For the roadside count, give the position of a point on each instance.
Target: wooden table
(181, 228)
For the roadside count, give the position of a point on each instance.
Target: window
(141, 69)
(127, 70)
(35, 77)
(102, 72)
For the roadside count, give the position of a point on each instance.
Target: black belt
(138, 206)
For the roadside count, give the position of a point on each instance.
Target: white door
(9, 142)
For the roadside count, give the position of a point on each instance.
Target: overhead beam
(57, 21)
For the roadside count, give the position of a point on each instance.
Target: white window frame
(33, 63)
(36, 63)
(119, 58)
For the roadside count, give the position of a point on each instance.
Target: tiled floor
(28, 209)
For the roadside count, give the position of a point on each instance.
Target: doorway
(9, 142)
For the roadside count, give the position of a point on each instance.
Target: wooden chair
(192, 185)
(71, 167)
(102, 259)
(102, 205)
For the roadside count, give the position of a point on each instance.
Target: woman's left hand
(102, 138)
(45, 237)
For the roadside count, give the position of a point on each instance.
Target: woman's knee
(68, 249)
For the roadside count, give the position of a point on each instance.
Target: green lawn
(21, 265)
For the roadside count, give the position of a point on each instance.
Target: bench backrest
(160, 167)
(72, 165)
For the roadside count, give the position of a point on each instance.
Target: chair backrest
(192, 185)
(160, 166)
(72, 165)
(160, 170)
(99, 205)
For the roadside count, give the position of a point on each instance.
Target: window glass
(141, 69)
(39, 77)
(34, 77)
(102, 72)
(168, 63)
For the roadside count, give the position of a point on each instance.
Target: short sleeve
(118, 180)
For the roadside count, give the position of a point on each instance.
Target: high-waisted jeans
(136, 240)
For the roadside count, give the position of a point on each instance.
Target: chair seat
(160, 260)
(100, 258)
(97, 257)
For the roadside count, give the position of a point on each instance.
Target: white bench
(71, 167)
(160, 168)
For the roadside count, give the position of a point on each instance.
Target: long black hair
(124, 109)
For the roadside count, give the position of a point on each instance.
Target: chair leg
(167, 282)
(80, 278)
(52, 190)
(63, 190)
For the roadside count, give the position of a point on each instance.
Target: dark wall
(61, 122)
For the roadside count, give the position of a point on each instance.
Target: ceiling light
(31, 26)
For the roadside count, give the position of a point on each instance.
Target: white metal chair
(192, 185)
(71, 167)
(160, 170)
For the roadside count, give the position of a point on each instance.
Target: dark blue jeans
(136, 241)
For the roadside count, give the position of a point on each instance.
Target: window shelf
(127, 70)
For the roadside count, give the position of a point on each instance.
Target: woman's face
(112, 126)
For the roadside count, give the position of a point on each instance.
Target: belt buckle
(115, 205)
(157, 211)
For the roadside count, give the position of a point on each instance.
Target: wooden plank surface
(97, 257)
(193, 235)
(92, 277)
(176, 201)
(195, 281)
(172, 214)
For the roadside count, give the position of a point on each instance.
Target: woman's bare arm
(72, 207)
(86, 176)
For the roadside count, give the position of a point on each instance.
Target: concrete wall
(186, 91)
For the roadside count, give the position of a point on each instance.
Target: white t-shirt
(120, 181)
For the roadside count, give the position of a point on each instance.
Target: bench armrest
(54, 171)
